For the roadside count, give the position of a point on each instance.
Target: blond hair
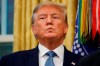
(61, 7)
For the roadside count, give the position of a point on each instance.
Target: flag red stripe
(93, 18)
(99, 18)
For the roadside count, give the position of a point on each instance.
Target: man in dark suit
(49, 25)
(91, 60)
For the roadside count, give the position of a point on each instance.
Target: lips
(49, 29)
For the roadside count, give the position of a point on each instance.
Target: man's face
(49, 23)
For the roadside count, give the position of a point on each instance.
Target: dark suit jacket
(30, 58)
(91, 60)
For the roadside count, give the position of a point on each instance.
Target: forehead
(50, 9)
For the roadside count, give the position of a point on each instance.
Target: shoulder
(21, 53)
(17, 56)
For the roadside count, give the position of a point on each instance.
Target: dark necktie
(49, 61)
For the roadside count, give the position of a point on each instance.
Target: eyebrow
(54, 14)
(45, 14)
(41, 15)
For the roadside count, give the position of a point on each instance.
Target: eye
(42, 17)
(55, 17)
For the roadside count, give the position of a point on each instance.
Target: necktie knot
(49, 61)
(51, 54)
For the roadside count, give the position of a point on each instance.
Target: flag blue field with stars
(77, 47)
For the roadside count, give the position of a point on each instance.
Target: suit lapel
(68, 61)
(32, 57)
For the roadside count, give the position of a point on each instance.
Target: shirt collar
(59, 51)
(42, 50)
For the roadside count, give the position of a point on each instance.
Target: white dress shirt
(58, 60)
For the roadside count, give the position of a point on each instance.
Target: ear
(34, 29)
(66, 29)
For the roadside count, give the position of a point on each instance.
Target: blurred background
(6, 26)
(83, 35)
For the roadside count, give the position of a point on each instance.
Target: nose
(49, 20)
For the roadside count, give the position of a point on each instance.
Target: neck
(51, 44)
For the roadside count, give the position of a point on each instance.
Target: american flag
(77, 47)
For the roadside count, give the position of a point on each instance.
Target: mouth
(49, 30)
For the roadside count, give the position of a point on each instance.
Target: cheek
(40, 28)
(40, 24)
(61, 28)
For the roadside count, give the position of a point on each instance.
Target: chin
(50, 36)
